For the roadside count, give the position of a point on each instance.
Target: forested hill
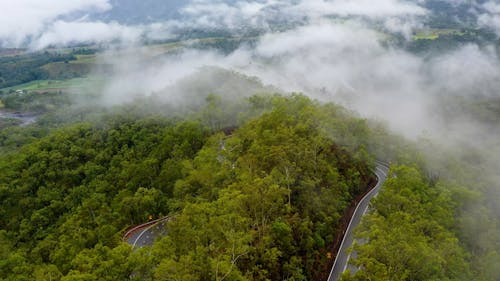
(256, 188)
(260, 204)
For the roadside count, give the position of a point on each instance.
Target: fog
(342, 54)
(335, 51)
(490, 16)
(347, 59)
(38, 24)
(23, 19)
(347, 63)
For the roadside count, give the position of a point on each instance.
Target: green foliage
(20, 69)
(256, 188)
(72, 192)
(409, 233)
(263, 203)
(260, 204)
(35, 102)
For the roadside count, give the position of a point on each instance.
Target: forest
(256, 192)
(237, 138)
(410, 233)
(272, 191)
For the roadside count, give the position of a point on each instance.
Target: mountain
(142, 12)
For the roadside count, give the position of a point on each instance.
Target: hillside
(272, 192)
(250, 140)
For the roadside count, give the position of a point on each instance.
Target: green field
(47, 85)
(433, 34)
(84, 59)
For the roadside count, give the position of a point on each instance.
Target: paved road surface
(25, 118)
(341, 261)
(146, 234)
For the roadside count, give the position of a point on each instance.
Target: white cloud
(62, 33)
(366, 8)
(403, 26)
(492, 7)
(46, 22)
(26, 18)
(491, 17)
(133, 77)
(491, 21)
(467, 70)
(259, 13)
(395, 15)
(316, 36)
(347, 63)
(218, 13)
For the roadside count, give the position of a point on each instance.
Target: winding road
(341, 263)
(145, 234)
(25, 118)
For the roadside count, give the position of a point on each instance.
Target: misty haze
(250, 140)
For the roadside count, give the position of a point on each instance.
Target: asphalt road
(146, 234)
(25, 118)
(341, 261)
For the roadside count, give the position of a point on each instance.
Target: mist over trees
(182, 123)
(262, 203)
(271, 193)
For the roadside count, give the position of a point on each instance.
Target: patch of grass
(61, 70)
(434, 34)
(424, 36)
(41, 85)
(90, 59)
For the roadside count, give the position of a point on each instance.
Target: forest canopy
(256, 189)
(271, 192)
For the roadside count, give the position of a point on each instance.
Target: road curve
(343, 256)
(145, 234)
(25, 118)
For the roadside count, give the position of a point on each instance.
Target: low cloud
(491, 17)
(136, 73)
(397, 16)
(62, 33)
(334, 51)
(24, 19)
(365, 8)
(218, 14)
(48, 22)
(347, 63)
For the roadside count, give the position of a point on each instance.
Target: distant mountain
(451, 14)
(142, 12)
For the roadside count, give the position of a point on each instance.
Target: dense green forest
(271, 193)
(410, 233)
(436, 216)
(256, 186)
(144, 115)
